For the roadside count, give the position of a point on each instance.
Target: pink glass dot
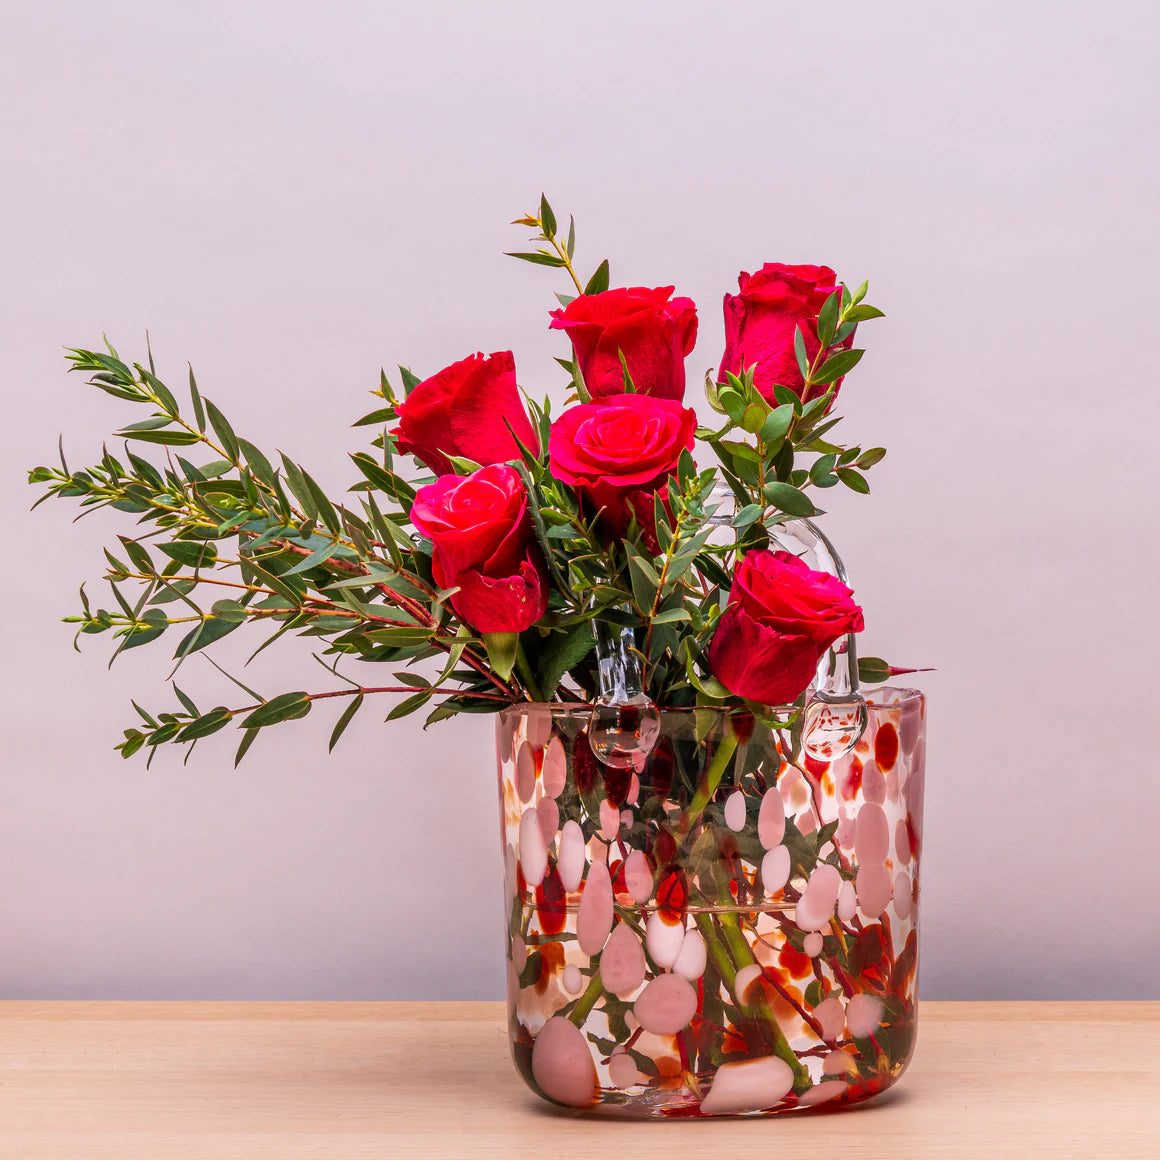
(622, 965)
(771, 819)
(871, 834)
(562, 1063)
(571, 861)
(874, 888)
(595, 913)
(666, 1005)
(555, 769)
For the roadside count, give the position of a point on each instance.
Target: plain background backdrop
(291, 195)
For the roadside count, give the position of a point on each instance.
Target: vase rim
(900, 697)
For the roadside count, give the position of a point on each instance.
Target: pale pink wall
(292, 194)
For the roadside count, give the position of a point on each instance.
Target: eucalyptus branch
(560, 255)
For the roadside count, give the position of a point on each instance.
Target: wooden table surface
(396, 1080)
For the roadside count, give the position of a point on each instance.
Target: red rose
(484, 545)
(618, 453)
(465, 410)
(654, 334)
(781, 618)
(760, 323)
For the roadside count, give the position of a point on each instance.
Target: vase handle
(624, 724)
(835, 716)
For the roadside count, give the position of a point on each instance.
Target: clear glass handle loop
(835, 715)
(625, 724)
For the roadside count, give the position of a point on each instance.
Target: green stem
(713, 775)
(587, 1001)
(743, 956)
(526, 675)
(564, 257)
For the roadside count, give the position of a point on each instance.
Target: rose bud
(761, 320)
(654, 334)
(618, 453)
(484, 545)
(781, 618)
(471, 409)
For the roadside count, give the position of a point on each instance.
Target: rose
(483, 544)
(781, 618)
(618, 453)
(760, 323)
(466, 410)
(653, 333)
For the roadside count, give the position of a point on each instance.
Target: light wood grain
(331, 1081)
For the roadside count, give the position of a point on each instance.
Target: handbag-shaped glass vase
(723, 920)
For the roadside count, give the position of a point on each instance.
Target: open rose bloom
(711, 825)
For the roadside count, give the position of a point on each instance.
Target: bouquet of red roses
(494, 578)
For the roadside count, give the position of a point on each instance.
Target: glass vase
(726, 925)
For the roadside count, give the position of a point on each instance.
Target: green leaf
(166, 438)
(547, 218)
(733, 403)
(209, 723)
(410, 379)
(375, 418)
(198, 406)
(598, 283)
(223, 431)
(872, 670)
(284, 707)
(297, 483)
(149, 424)
(133, 741)
(746, 516)
(212, 629)
(645, 582)
(409, 705)
(313, 560)
(629, 385)
(837, 366)
(173, 590)
(190, 554)
(754, 416)
(787, 398)
(229, 610)
(462, 465)
(380, 478)
(789, 499)
(137, 553)
(854, 480)
(343, 721)
(707, 686)
(564, 651)
(672, 616)
(248, 739)
(822, 467)
(777, 425)
(570, 244)
(186, 702)
(870, 457)
(155, 620)
(501, 651)
(257, 462)
(799, 350)
(828, 318)
(863, 313)
(164, 395)
(538, 258)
